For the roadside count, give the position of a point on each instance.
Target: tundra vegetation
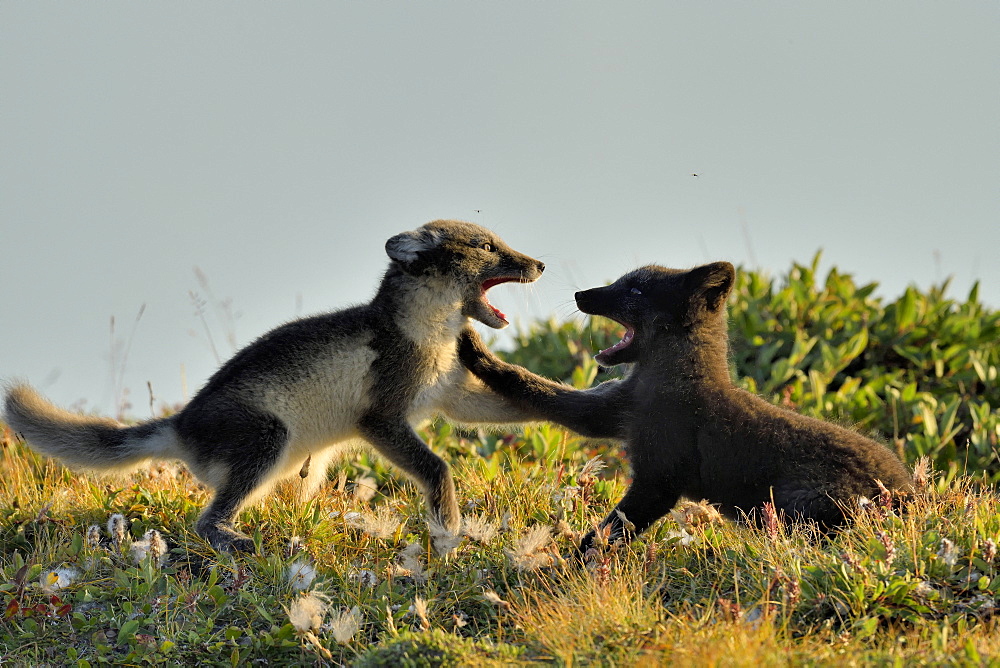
(97, 571)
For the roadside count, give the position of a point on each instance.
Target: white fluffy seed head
(382, 524)
(948, 552)
(478, 529)
(306, 612)
(152, 544)
(526, 555)
(345, 625)
(443, 540)
(409, 565)
(365, 489)
(300, 575)
(116, 528)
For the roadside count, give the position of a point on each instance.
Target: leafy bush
(920, 371)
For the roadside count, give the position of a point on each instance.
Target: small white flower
(345, 625)
(306, 613)
(300, 575)
(57, 578)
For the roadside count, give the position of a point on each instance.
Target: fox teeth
(624, 343)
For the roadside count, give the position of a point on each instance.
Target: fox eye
(636, 291)
(488, 247)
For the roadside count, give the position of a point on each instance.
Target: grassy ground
(360, 583)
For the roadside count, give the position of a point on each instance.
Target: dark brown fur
(687, 429)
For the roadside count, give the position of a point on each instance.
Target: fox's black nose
(541, 267)
(584, 300)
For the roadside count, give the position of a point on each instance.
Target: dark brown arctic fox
(687, 429)
(309, 388)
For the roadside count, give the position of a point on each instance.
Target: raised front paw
(472, 351)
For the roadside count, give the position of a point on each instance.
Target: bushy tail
(86, 442)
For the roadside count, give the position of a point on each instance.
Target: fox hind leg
(245, 450)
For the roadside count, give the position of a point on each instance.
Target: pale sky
(276, 146)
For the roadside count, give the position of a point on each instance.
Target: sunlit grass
(340, 577)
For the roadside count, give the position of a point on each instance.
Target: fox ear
(405, 247)
(712, 283)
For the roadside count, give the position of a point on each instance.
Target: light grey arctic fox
(315, 386)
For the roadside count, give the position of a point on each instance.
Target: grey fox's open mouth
(626, 341)
(497, 281)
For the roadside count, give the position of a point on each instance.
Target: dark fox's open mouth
(497, 281)
(626, 341)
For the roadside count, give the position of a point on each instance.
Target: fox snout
(590, 301)
(534, 268)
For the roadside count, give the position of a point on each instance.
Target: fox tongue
(486, 286)
(497, 312)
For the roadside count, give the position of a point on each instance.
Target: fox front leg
(646, 501)
(600, 412)
(397, 441)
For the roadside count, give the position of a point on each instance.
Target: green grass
(891, 589)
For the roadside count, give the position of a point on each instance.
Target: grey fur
(315, 386)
